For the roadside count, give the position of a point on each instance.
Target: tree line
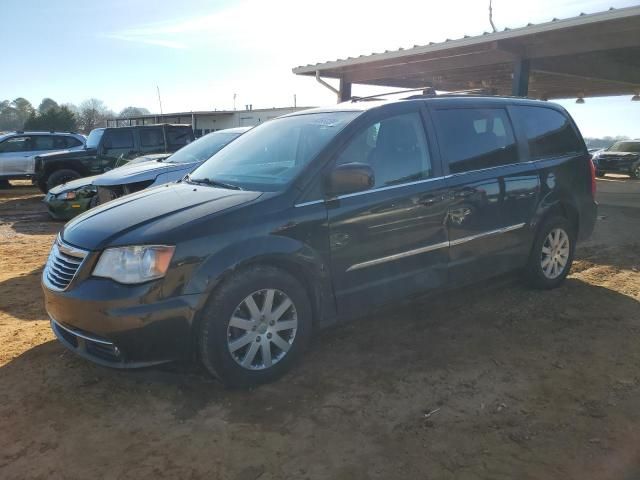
(20, 114)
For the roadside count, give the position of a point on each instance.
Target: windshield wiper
(212, 183)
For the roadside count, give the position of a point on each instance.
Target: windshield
(633, 147)
(94, 137)
(269, 156)
(203, 148)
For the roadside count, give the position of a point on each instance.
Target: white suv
(18, 150)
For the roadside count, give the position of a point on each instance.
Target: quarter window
(473, 139)
(151, 137)
(178, 137)
(395, 148)
(549, 133)
(72, 142)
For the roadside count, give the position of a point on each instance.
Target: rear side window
(178, 137)
(549, 133)
(118, 139)
(473, 139)
(395, 148)
(151, 137)
(43, 142)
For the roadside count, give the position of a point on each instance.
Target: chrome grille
(62, 265)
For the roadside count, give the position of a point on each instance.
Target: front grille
(62, 265)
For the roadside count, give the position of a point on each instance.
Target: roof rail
(396, 92)
(427, 92)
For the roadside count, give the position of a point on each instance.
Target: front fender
(287, 253)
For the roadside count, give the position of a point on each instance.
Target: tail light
(592, 167)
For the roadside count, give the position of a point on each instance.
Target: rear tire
(635, 172)
(255, 327)
(600, 174)
(552, 254)
(61, 176)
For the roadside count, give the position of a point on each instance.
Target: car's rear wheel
(635, 171)
(255, 327)
(61, 176)
(552, 254)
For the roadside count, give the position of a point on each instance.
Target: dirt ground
(498, 382)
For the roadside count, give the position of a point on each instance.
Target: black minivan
(319, 216)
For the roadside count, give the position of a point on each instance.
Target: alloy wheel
(555, 253)
(262, 329)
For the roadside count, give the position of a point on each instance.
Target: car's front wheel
(635, 171)
(552, 254)
(255, 327)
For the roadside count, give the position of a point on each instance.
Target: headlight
(135, 264)
(70, 195)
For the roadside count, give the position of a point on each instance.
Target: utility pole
(491, 18)
(234, 100)
(159, 99)
(294, 101)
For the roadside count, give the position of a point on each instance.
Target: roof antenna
(491, 18)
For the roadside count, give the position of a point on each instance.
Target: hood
(149, 216)
(73, 185)
(67, 153)
(140, 172)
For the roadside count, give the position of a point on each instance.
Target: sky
(202, 52)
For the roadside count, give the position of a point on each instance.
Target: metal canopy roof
(590, 55)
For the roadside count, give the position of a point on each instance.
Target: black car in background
(107, 148)
(621, 157)
(316, 217)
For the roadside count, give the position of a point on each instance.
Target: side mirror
(350, 178)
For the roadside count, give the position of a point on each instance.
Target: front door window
(395, 148)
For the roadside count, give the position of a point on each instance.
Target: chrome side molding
(397, 256)
(436, 246)
(470, 238)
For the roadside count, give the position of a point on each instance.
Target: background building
(204, 122)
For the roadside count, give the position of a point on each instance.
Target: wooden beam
(429, 66)
(344, 93)
(520, 81)
(597, 66)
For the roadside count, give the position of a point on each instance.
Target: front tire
(61, 176)
(600, 174)
(635, 171)
(552, 254)
(255, 327)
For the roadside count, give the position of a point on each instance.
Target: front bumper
(122, 326)
(66, 209)
(624, 166)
